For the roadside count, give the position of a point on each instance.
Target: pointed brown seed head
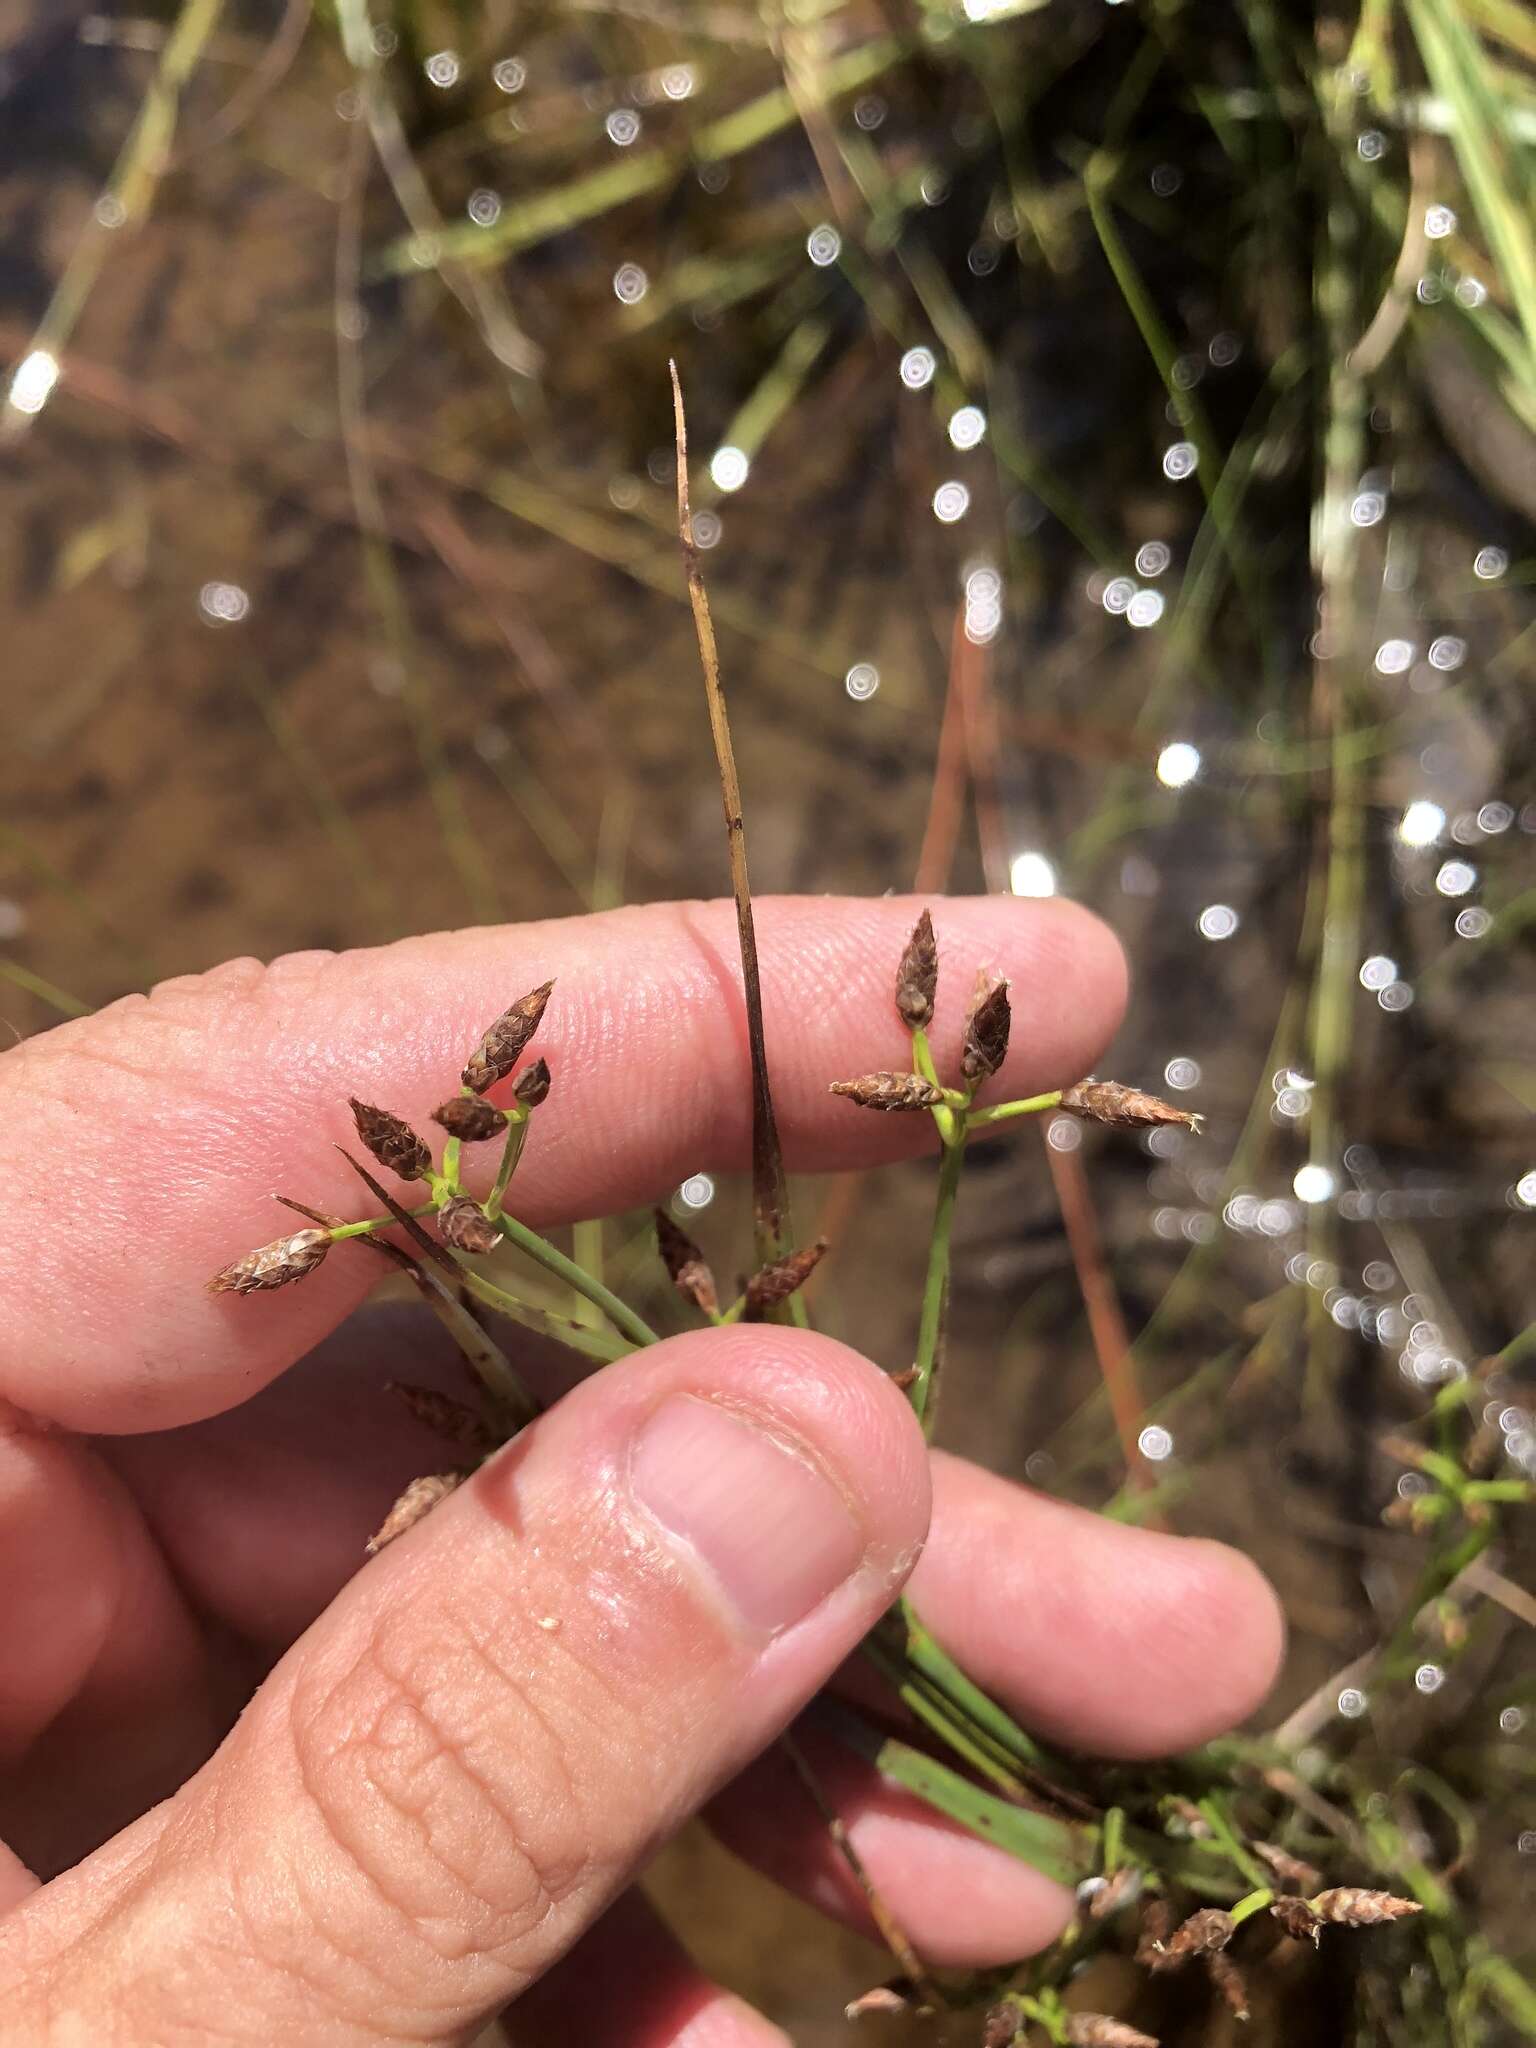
(917, 978)
(502, 1046)
(1297, 1918)
(1349, 1905)
(453, 1420)
(686, 1265)
(1002, 2023)
(772, 1284)
(1099, 2030)
(532, 1085)
(1111, 1102)
(986, 1031)
(465, 1225)
(890, 1091)
(1288, 1869)
(418, 1500)
(273, 1265)
(1199, 1935)
(391, 1141)
(469, 1118)
(1229, 1981)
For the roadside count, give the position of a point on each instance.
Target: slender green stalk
(930, 1331)
(511, 1152)
(1029, 1106)
(598, 1344)
(553, 1260)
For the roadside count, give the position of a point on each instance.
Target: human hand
(449, 1765)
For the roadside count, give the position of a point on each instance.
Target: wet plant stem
(930, 1332)
(1030, 1105)
(512, 1151)
(630, 1326)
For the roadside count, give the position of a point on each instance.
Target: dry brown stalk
(1229, 1981)
(502, 1046)
(1100, 2030)
(1289, 1870)
(986, 1031)
(890, 1091)
(273, 1265)
(1350, 1905)
(917, 976)
(418, 1500)
(532, 1085)
(470, 1118)
(391, 1141)
(686, 1265)
(465, 1225)
(772, 1284)
(455, 1421)
(1111, 1102)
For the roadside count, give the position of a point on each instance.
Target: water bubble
(109, 211)
(917, 368)
(1352, 1702)
(1224, 350)
(728, 468)
(679, 81)
(1447, 652)
(32, 381)
(862, 681)
(1525, 1842)
(1525, 1190)
(1429, 291)
(1217, 921)
(933, 188)
(1456, 878)
(1471, 291)
(951, 501)
(630, 284)
(1182, 1073)
(1153, 557)
(484, 207)
(707, 529)
(510, 75)
(967, 426)
(869, 111)
(1291, 1103)
(1380, 971)
(1398, 996)
(1489, 564)
(1187, 372)
(1031, 874)
(1314, 1183)
(1368, 508)
(697, 1191)
(223, 604)
(1421, 823)
(1117, 594)
(443, 69)
(1495, 817)
(1064, 1134)
(983, 258)
(1155, 1442)
(1512, 1720)
(622, 127)
(1429, 1677)
(1166, 180)
(1371, 145)
(823, 245)
(1180, 461)
(1393, 656)
(1439, 221)
(1178, 764)
(1145, 608)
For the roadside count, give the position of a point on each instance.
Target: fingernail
(774, 1534)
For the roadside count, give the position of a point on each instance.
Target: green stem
(598, 1344)
(930, 1333)
(622, 1317)
(511, 1152)
(372, 1223)
(1254, 1903)
(1030, 1105)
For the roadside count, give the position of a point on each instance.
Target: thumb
(464, 1760)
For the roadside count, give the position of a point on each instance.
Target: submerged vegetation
(1118, 434)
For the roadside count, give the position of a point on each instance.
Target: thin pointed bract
(277, 1264)
(391, 1141)
(470, 1119)
(773, 1284)
(504, 1044)
(1111, 1102)
(465, 1225)
(890, 1091)
(686, 1265)
(417, 1501)
(986, 1031)
(917, 976)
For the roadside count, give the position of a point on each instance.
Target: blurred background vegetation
(1116, 435)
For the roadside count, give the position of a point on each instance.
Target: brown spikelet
(1229, 1981)
(772, 1284)
(469, 1118)
(917, 978)
(1200, 1935)
(1002, 2023)
(465, 1225)
(391, 1141)
(686, 1265)
(273, 1265)
(532, 1084)
(890, 1091)
(1156, 1920)
(1297, 1918)
(882, 1998)
(1349, 1905)
(502, 1046)
(1111, 1102)
(1290, 1871)
(986, 1031)
(1112, 1894)
(418, 1499)
(455, 1421)
(1099, 2030)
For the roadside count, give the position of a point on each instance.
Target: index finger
(153, 1133)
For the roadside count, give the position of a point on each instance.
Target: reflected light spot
(1217, 921)
(1031, 874)
(622, 127)
(1378, 972)
(1064, 1134)
(1155, 1442)
(728, 468)
(510, 75)
(1146, 608)
(1439, 221)
(1368, 508)
(697, 1191)
(223, 604)
(1117, 594)
(442, 69)
(484, 208)
(1422, 823)
(1178, 764)
(1447, 652)
(707, 529)
(1153, 557)
(1490, 564)
(917, 368)
(630, 284)
(1180, 461)
(823, 245)
(32, 382)
(862, 681)
(1182, 1073)
(1352, 1702)
(1313, 1183)
(1456, 878)
(967, 426)
(1429, 1677)
(951, 501)
(1394, 656)
(1525, 1190)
